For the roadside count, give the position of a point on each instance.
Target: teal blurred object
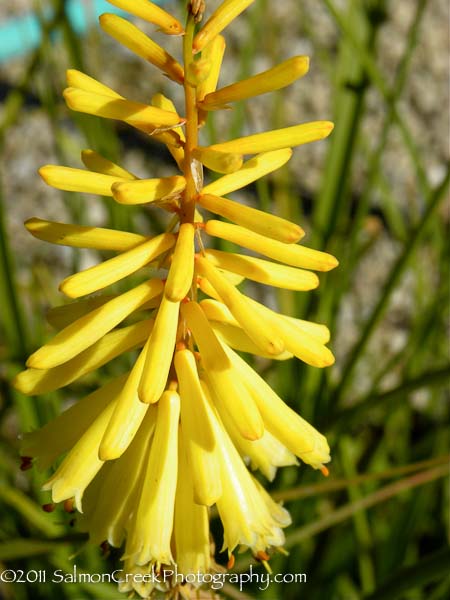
(21, 35)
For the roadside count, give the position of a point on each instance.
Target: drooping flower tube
(147, 454)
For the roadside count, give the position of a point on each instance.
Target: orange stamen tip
(69, 505)
(262, 556)
(185, 300)
(325, 471)
(50, 507)
(199, 225)
(231, 561)
(180, 346)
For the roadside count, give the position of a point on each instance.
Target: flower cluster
(148, 453)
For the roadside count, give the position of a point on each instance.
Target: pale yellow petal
(265, 337)
(160, 349)
(80, 236)
(277, 139)
(112, 270)
(181, 273)
(152, 524)
(77, 79)
(94, 161)
(285, 424)
(273, 79)
(148, 190)
(89, 328)
(191, 529)
(264, 271)
(135, 40)
(213, 53)
(291, 254)
(236, 337)
(127, 417)
(145, 117)
(258, 221)
(221, 17)
(197, 432)
(252, 170)
(78, 180)
(151, 12)
(221, 162)
(40, 381)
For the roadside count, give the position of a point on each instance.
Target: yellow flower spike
(221, 17)
(217, 367)
(81, 465)
(40, 381)
(191, 523)
(147, 190)
(204, 336)
(118, 493)
(78, 180)
(256, 220)
(251, 170)
(94, 161)
(151, 528)
(81, 81)
(152, 13)
(160, 349)
(181, 270)
(177, 151)
(112, 270)
(83, 237)
(277, 139)
(128, 414)
(197, 432)
(285, 424)
(89, 328)
(58, 436)
(273, 79)
(305, 340)
(142, 116)
(264, 271)
(221, 162)
(264, 335)
(295, 255)
(135, 40)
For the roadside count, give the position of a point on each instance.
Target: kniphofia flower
(148, 453)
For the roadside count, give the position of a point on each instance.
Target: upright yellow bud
(221, 17)
(152, 13)
(135, 40)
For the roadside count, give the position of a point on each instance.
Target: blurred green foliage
(378, 527)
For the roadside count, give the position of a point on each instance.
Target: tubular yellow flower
(159, 352)
(274, 79)
(258, 221)
(277, 139)
(88, 329)
(147, 453)
(252, 170)
(225, 13)
(197, 431)
(297, 256)
(83, 237)
(142, 116)
(114, 269)
(135, 40)
(156, 506)
(94, 161)
(77, 180)
(181, 270)
(152, 13)
(147, 190)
